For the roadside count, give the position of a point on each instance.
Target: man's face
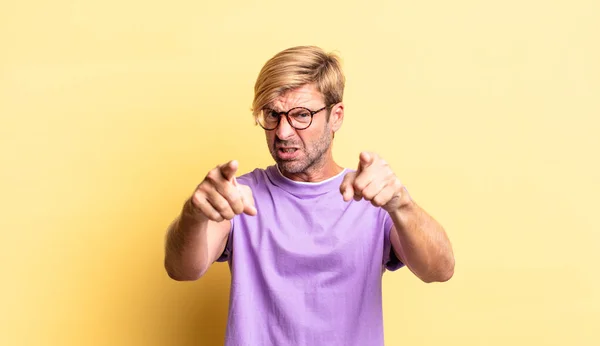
(297, 151)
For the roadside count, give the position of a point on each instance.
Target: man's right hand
(219, 197)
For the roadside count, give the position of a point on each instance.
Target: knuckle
(196, 201)
(233, 195)
(378, 201)
(209, 180)
(221, 206)
(204, 187)
(389, 173)
(397, 184)
(202, 193)
(238, 207)
(236, 201)
(212, 175)
(234, 198)
(228, 214)
(357, 185)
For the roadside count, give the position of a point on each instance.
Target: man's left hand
(375, 181)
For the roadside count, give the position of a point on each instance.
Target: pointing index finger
(228, 170)
(366, 159)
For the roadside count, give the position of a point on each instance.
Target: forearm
(186, 248)
(422, 244)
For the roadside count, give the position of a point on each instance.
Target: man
(307, 241)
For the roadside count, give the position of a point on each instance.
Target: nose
(284, 130)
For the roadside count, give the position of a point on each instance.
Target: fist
(219, 197)
(375, 182)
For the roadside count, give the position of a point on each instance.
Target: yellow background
(112, 112)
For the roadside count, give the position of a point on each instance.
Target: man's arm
(418, 240)
(193, 243)
(421, 243)
(197, 238)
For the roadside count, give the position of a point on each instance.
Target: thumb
(247, 199)
(366, 159)
(228, 170)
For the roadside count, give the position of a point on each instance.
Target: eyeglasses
(299, 118)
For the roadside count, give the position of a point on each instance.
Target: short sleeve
(246, 179)
(226, 254)
(390, 261)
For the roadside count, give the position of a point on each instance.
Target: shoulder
(257, 176)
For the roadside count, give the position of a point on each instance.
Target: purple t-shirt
(307, 269)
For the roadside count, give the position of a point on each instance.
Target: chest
(310, 242)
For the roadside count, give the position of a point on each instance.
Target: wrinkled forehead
(306, 96)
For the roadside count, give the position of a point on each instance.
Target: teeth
(288, 150)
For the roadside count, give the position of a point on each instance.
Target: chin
(291, 166)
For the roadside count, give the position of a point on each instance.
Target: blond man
(307, 240)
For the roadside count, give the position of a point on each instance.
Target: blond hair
(297, 66)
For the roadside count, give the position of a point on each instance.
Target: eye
(300, 114)
(270, 114)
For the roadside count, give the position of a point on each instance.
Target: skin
(198, 236)
(418, 240)
(315, 161)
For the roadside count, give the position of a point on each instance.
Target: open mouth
(287, 153)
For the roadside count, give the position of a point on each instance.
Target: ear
(336, 117)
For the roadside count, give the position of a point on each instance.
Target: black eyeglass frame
(279, 114)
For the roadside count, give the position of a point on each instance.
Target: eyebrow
(302, 104)
(270, 107)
